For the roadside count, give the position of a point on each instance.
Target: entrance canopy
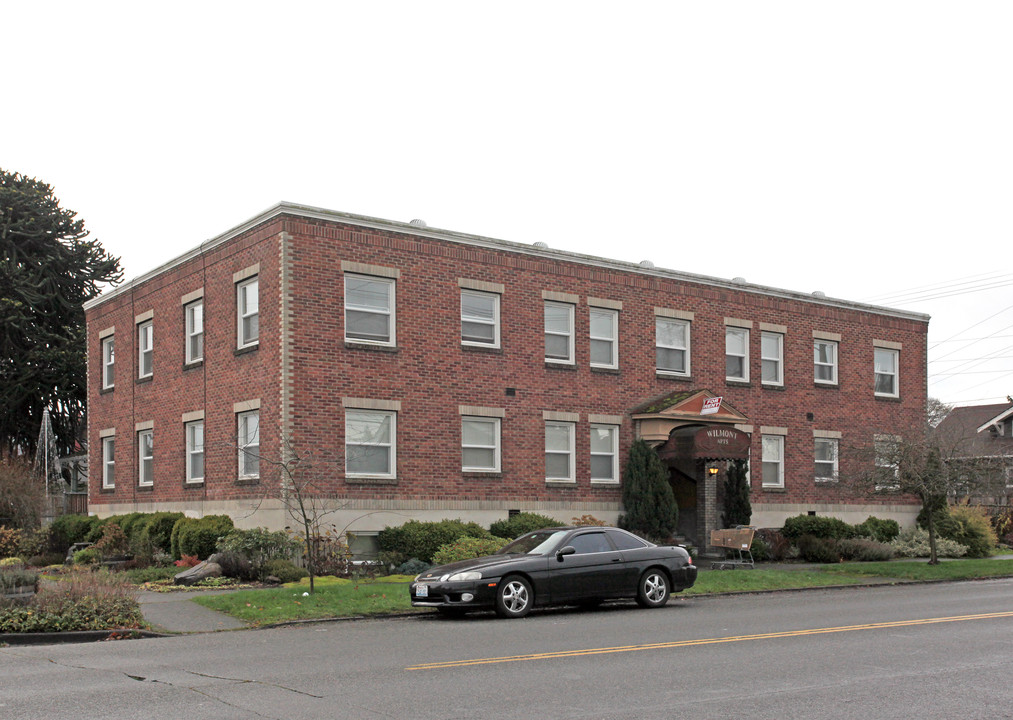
(656, 419)
(706, 443)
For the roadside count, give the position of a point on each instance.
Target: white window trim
(835, 444)
(482, 321)
(614, 453)
(613, 316)
(685, 350)
(832, 365)
(779, 481)
(745, 357)
(145, 347)
(109, 362)
(570, 452)
(241, 468)
(496, 447)
(391, 446)
(142, 458)
(241, 341)
(569, 360)
(895, 374)
(391, 311)
(779, 380)
(191, 333)
(109, 462)
(190, 451)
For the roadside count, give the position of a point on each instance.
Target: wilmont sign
(722, 443)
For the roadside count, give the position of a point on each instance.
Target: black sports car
(558, 566)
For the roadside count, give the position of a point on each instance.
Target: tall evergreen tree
(48, 269)
(737, 508)
(647, 495)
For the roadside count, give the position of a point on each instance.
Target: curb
(76, 636)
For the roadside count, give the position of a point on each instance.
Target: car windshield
(536, 543)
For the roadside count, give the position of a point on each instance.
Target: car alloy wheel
(653, 589)
(513, 597)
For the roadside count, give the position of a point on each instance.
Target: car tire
(514, 597)
(653, 589)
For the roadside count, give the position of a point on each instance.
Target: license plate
(421, 590)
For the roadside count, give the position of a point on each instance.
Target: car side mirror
(562, 552)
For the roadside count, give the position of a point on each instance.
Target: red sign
(711, 405)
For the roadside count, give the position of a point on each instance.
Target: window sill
(888, 398)
(549, 365)
(604, 483)
(662, 375)
(107, 490)
(818, 481)
(248, 481)
(561, 483)
(193, 484)
(193, 365)
(491, 349)
(827, 385)
(480, 474)
(772, 489)
(738, 383)
(106, 390)
(247, 349)
(605, 370)
(145, 488)
(370, 481)
(145, 379)
(370, 347)
(771, 386)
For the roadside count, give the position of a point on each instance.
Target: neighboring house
(981, 437)
(446, 375)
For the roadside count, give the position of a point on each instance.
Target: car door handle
(617, 559)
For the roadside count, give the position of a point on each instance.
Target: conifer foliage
(647, 495)
(737, 508)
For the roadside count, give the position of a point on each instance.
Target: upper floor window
(108, 462)
(825, 361)
(145, 457)
(248, 439)
(108, 362)
(145, 348)
(370, 443)
(369, 309)
(772, 358)
(604, 327)
(248, 313)
(887, 456)
(194, 451)
(886, 372)
(559, 451)
(737, 354)
(479, 318)
(671, 340)
(825, 453)
(195, 331)
(773, 460)
(604, 453)
(480, 444)
(558, 332)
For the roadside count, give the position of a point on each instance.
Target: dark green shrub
(200, 537)
(113, 541)
(864, 550)
(159, 530)
(819, 526)
(877, 529)
(417, 539)
(778, 547)
(259, 546)
(972, 528)
(88, 556)
(521, 524)
(759, 549)
(284, 570)
(69, 529)
(941, 519)
(411, 567)
(46, 559)
(177, 528)
(737, 508)
(818, 550)
(647, 495)
(466, 548)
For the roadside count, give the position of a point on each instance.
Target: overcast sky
(864, 149)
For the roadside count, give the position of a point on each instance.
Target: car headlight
(463, 576)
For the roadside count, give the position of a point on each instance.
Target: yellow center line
(706, 641)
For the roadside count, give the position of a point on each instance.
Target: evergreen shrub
(878, 529)
(971, 527)
(466, 548)
(521, 524)
(818, 549)
(819, 526)
(421, 540)
(864, 549)
(647, 495)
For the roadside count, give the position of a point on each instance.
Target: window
(479, 318)
(887, 459)
(145, 457)
(108, 363)
(370, 443)
(604, 328)
(886, 372)
(604, 453)
(248, 313)
(773, 461)
(825, 361)
(369, 309)
(145, 342)
(826, 459)
(736, 354)
(559, 451)
(558, 332)
(194, 452)
(108, 462)
(248, 439)
(592, 542)
(480, 444)
(772, 358)
(195, 332)
(671, 340)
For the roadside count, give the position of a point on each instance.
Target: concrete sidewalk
(176, 612)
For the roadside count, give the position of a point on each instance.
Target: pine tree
(647, 495)
(737, 508)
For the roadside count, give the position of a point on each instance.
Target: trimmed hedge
(521, 524)
(882, 531)
(818, 526)
(421, 540)
(466, 548)
(192, 536)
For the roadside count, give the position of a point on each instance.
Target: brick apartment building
(433, 374)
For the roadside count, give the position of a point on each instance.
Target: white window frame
(390, 312)
(817, 364)
(894, 375)
(495, 447)
(194, 322)
(109, 362)
(744, 332)
(493, 323)
(569, 308)
(109, 462)
(145, 349)
(249, 447)
(778, 442)
(612, 340)
(145, 462)
(777, 359)
(613, 453)
(658, 322)
(834, 446)
(192, 450)
(391, 444)
(245, 291)
(569, 452)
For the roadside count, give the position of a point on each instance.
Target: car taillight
(690, 560)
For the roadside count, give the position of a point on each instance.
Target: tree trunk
(933, 558)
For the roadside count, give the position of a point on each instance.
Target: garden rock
(200, 571)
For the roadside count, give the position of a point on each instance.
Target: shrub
(777, 546)
(18, 577)
(582, 521)
(12, 562)
(1002, 524)
(647, 495)
(113, 541)
(737, 508)
(466, 548)
(416, 539)
(864, 549)
(88, 556)
(333, 556)
(139, 576)
(877, 529)
(69, 529)
(914, 542)
(10, 541)
(199, 537)
(818, 549)
(940, 515)
(284, 570)
(971, 527)
(411, 567)
(759, 549)
(521, 524)
(82, 601)
(156, 533)
(818, 526)
(46, 559)
(259, 546)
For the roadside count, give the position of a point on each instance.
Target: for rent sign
(711, 405)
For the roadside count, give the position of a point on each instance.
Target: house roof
(973, 423)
